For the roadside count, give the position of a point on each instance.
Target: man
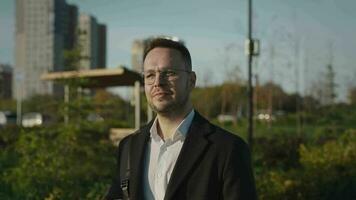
(179, 155)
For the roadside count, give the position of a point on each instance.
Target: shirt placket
(161, 171)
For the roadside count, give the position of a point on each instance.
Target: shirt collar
(179, 133)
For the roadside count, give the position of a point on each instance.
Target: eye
(149, 75)
(170, 73)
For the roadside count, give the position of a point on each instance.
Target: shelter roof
(97, 78)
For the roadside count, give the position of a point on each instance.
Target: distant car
(32, 119)
(265, 117)
(94, 117)
(226, 118)
(7, 118)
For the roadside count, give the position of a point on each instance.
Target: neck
(167, 123)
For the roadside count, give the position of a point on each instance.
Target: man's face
(168, 91)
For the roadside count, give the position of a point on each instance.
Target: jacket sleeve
(115, 191)
(238, 179)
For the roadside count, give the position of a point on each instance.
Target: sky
(298, 39)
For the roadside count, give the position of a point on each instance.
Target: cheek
(147, 91)
(181, 88)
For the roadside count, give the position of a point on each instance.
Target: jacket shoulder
(136, 133)
(225, 138)
(217, 135)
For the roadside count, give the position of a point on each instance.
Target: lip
(160, 94)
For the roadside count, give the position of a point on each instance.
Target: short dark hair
(168, 43)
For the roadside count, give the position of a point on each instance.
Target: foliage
(227, 98)
(326, 172)
(338, 114)
(8, 156)
(231, 98)
(76, 161)
(206, 107)
(44, 104)
(7, 104)
(277, 152)
(60, 162)
(72, 58)
(332, 167)
(352, 95)
(111, 106)
(272, 94)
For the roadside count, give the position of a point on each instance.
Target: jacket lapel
(192, 149)
(137, 154)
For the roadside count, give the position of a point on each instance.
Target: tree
(72, 59)
(324, 88)
(330, 85)
(8, 104)
(352, 95)
(112, 107)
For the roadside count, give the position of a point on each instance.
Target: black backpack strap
(119, 189)
(125, 170)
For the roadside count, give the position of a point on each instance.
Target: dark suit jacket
(212, 164)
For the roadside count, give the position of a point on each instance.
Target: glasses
(149, 76)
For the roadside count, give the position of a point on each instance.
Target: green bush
(323, 134)
(8, 156)
(326, 172)
(331, 168)
(60, 162)
(277, 152)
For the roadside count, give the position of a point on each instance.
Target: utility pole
(251, 49)
(270, 93)
(66, 103)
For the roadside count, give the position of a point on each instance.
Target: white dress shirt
(161, 157)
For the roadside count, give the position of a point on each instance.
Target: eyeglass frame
(163, 76)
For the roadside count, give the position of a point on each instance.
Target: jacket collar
(195, 142)
(192, 149)
(137, 152)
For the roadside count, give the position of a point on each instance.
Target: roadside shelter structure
(102, 78)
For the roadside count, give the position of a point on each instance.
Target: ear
(192, 80)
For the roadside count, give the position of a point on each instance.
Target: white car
(32, 119)
(7, 118)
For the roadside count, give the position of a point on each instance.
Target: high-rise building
(44, 28)
(5, 81)
(92, 42)
(102, 46)
(137, 50)
(71, 26)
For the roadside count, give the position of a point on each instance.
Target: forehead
(163, 57)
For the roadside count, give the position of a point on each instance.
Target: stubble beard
(175, 107)
(172, 108)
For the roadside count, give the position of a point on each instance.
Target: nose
(159, 79)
